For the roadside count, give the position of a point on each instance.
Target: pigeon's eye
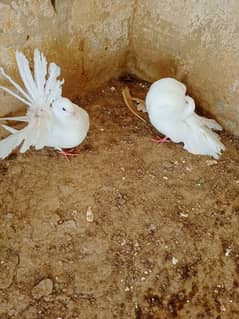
(63, 109)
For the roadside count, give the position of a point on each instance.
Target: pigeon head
(63, 108)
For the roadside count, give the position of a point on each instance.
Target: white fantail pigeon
(52, 120)
(172, 113)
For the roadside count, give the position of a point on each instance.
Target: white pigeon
(52, 120)
(172, 113)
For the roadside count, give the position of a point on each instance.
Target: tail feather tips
(10, 143)
(204, 142)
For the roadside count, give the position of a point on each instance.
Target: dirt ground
(128, 229)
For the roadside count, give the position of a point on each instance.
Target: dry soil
(127, 229)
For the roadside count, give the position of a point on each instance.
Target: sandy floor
(128, 229)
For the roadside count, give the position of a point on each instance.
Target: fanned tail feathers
(31, 135)
(201, 139)
(40, 71)
(26, 75)
(9, 129)
(10, 143)
(210, 123)
(53, 87)
(39, 89)
(15, 118)
(42, 88)
(27, 100)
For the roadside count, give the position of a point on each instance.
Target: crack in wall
(96, 40)
(130, 33)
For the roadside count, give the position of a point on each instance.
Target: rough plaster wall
(196, 41)
(88, 39)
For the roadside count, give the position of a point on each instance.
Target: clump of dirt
(127, 229)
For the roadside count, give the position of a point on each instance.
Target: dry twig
(128, 101)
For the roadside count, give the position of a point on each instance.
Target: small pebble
(43, 288)
(211, 162)
(184, 215)
(223, 308)
(141, 107)
(89, 215)
(174, 261)
(228, 252)
(152, 228)
(123, 242)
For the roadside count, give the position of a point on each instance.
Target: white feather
(10, 143)
(17, 86)
(52, 120)
(15, 95)
(9, 129)
(53, 88)
(40, 71)
(15, 118)
(172, 113)
(26, 75)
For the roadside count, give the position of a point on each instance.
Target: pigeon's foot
(68, 153)
(161, 140)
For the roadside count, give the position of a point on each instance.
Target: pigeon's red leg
(68, 153)
(161, 140)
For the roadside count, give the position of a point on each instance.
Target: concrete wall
(195, 41)
(88, 39)
(198, 43)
